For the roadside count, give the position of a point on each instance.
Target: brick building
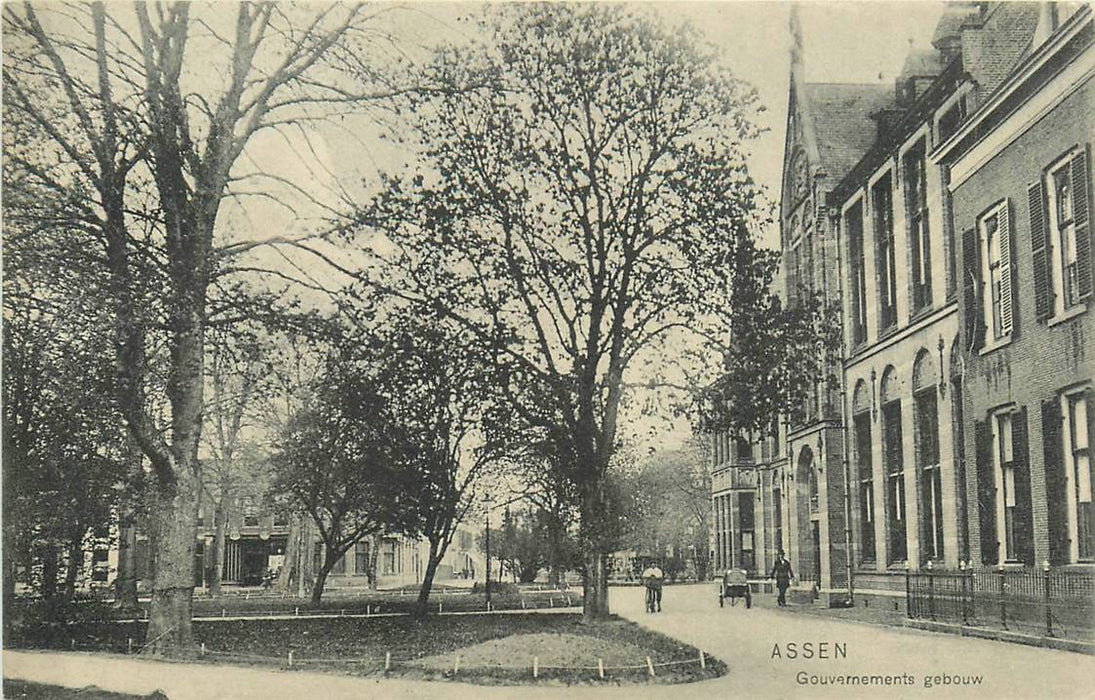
(1020, 180)
(949, 215)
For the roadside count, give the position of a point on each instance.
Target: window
(1061, 236)
(996, 297)
(1079, 475)
(1005, 456)
(858, 270)
(361, 557)
(746, 526)
(952, 119)
(250, 513)
(931, 483)
(895, 480)
(777, 517)
(815, 499)
(916, 214)
(1012, 520)
(865, 470)
(882, 201)
(744, 449)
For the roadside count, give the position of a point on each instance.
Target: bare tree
(592, 203)
(144, 137)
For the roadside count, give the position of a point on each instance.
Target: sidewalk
(880, 616)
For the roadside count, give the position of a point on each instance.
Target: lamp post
(487, 501)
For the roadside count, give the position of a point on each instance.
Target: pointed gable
(840, 116)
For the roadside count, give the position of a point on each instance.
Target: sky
(847, 42)
(844, 42)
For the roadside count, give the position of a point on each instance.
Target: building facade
(949, 215)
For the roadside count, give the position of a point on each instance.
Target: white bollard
(703, 659)
(650, 667)
(387, 660)
(290, 658)
(203, 648)
(439, 607)
(129, 646)
(456, 665)
(551, 602)
(536, 667)
(297, 612)
(601, 668)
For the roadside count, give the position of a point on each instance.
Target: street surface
(745, 639)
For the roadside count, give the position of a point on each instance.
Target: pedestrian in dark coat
(782, 573)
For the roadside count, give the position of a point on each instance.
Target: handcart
(735, 585)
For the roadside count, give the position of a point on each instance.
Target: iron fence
(1056, 603)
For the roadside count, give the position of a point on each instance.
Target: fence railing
(1055, 603)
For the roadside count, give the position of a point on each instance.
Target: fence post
(931, 592)
(962, 578)
(703, 659)
(536, 667)
(1049, 615)
(601, 668)
(1003, 602)
(908, 593)
(387, 661)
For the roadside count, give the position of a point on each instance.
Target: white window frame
(1005, 487)
(996, 334)
(1055, 236)
(1074, 484)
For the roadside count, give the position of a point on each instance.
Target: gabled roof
(841, 120)
(991, 52)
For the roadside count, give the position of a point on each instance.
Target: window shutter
(1056, 498)
(1081, 215)
(1043, 303)
(1024, 520)
(971, 281)
(1006, 315)
(986, 493)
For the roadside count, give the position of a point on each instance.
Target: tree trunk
(374, 556)
(220, 517)
(421, 607)
(321, 578)
(49, 571)
(174, 520)
(290, 566)
(125, 584)
(595, 581)
(10, 564)
(75, 562)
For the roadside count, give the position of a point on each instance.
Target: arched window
(926, 420)
(864, 469)
(893, 464)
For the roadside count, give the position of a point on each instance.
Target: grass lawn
(384, 601)
(492, 648)
(25, 690)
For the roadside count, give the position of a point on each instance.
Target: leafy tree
(340, 460)
(668, 497)
(65, 461)
(581, 209)
(146, 112)
(443, 389)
